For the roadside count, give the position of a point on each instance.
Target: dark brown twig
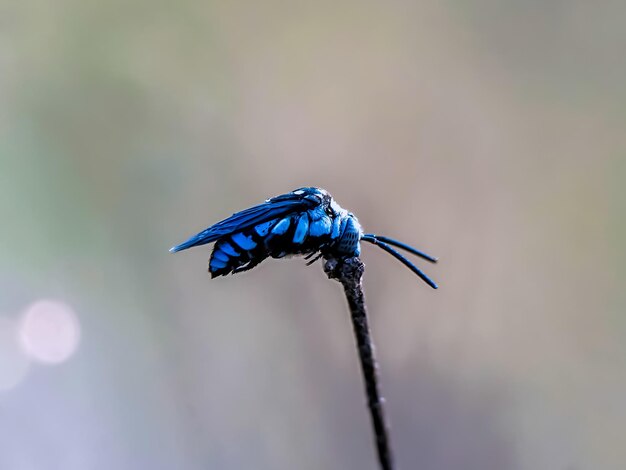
(350, 272)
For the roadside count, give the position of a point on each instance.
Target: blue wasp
(306, 221)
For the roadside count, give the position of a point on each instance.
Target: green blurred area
(488, 133)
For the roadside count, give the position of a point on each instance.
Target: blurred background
(490, 134)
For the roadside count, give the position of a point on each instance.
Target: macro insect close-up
(306, 221)
(177, 291)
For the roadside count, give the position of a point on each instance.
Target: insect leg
(314, 259)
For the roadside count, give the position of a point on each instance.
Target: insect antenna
(404, 246)
(376, 241)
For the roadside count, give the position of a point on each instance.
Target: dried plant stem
(350, 272)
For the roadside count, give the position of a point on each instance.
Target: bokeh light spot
(13, 363)
(49, 331)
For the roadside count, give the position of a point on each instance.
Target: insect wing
(269, 210)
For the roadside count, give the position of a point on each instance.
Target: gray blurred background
(490, 134)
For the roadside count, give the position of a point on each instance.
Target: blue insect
(306, 221)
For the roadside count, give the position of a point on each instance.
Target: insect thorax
(348, 243)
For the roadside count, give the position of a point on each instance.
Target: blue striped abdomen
(298, 233)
